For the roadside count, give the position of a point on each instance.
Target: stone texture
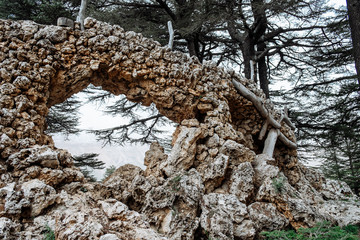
(182, 155)
(266, 216)
(212, 184)
(8, 229)
(39, 195)
(242, 182)
(221, 214)
(344, 212)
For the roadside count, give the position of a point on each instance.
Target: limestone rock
(172, 206)
(299, 212)
(237, 152)
(8, 229)
(42, 155)
(109, 236)
(55, 34)
(12, 201)
(113, 208)
(264, 170)
(221, 214)
(154, 160)
(266, 217)
(39, 194)
(336, 190)
(182, 155)
(344, 212)
(213, 171)
(242, 182)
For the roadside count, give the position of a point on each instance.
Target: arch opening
(119, 131)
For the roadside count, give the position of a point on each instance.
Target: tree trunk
(81, 15)
(259, 29)
(353, 7)
(262, 67)
(248, 53)
(194, 46)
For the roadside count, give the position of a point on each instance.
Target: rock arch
(215, 159)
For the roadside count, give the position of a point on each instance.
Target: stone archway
(214, 180)
(52, 63)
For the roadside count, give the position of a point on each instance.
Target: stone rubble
(215, 183)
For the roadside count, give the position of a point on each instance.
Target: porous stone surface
(215, 182)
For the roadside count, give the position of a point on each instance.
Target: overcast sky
(92, 118)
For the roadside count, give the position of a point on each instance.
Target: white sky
(93, 118)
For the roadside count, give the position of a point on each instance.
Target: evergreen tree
(110, 170)
(195, 22)
(329, 121)
(41, 11)
(64, 117)
(87, 162)
(353, 7)
(145, 124)
(274, 35)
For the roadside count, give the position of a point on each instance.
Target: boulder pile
(217, 182)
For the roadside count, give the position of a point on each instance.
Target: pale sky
(93, 118)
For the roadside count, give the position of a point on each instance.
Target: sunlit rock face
(215, 183)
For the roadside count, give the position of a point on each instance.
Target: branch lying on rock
(263, 130)
(286, 141)
(257, 103)
(270, 141)
(273, 133)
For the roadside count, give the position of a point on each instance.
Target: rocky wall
(215, 183)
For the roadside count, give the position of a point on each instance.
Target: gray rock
(336, 190)
(65, 22)
(39, 194)
(345, 212)
(266, 217)
(242, 182)
(220, 213)
(182, 155)
(237, 152)
(109, 236)
(8, 229)
(55, 34)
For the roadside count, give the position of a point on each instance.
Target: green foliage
(41, 11)
(328, 121)
(322, 231)
(278, 184)
(87, 162)
(48, 233)
(175, 183)
(110, 170)
(64, 117)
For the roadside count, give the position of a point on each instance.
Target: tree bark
(248, 53)
(353, 7)
(82, 10)
(270, 142)
(259, 28)
(262, 69)
(171, 35)
(193, 46)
